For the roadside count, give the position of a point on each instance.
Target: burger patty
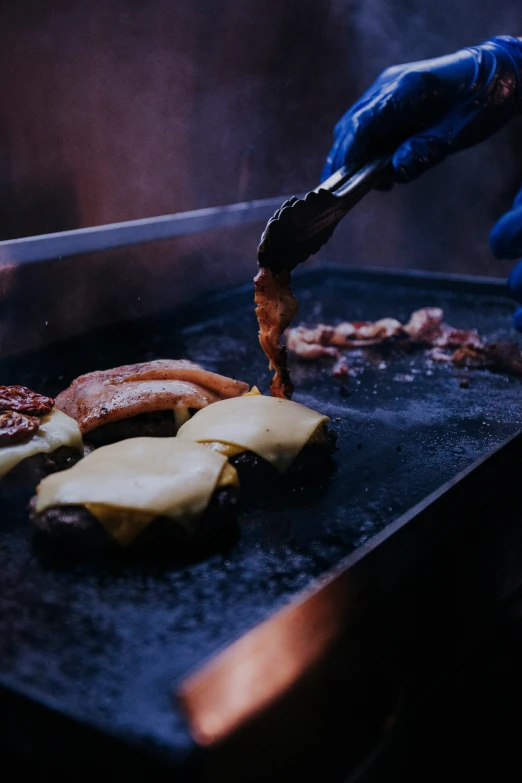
(75, 527)
(253, 470)
(158, 424)
(33, 469)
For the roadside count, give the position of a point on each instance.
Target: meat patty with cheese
(136, 490)
(35, 438)
(270, 434)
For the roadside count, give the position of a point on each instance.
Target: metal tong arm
(335, 197)
(351, 185)
(303, 225)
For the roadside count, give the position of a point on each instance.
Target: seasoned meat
(23, 400)
(32, 470)
(312, 343)
(16, 427)
(75, 528)
(313, 459)
(425, 325)
(158, 424)
(503, 357)
(275, 308)
(103, 397)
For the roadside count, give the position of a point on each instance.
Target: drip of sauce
(276, 306)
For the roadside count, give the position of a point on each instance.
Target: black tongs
(302, 226)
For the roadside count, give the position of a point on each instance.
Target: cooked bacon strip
(104, 396)
(425, 325)
(462, 347)
(99, 405)
(456, 338)
(275, 307)
(168, 369)
(384, 329)
(307, 343)
(502, 357)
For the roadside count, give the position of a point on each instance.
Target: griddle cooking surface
(105, 639)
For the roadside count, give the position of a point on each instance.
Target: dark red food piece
(15, 427)
(23, 400)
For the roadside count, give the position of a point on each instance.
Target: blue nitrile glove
(427, 110)
(506, 242)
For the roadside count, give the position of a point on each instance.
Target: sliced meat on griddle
(105, 396)
(276, 306)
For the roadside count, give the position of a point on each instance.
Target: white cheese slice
(162, 476)
(55, 430)
(273, 428)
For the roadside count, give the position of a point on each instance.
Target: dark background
(135, 108)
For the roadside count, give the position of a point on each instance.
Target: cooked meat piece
(75, 528)
(23, 400)
(276, 306)
(425, 325)
(16, 427)
(33, 469)
(100, 405)
(322, 340)
(320, 334)
(384, 329)
(165, 370)
(503, 357)
(158, 424)
(499, 357)
(307, 343)
(256, 474)
(106, 396)
(456, 338)
(342, 333)
(22, 480)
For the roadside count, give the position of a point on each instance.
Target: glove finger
(330, 163)
(420, 153)
(514, 282)
(517, 319)
(505, 238)
(397, 105)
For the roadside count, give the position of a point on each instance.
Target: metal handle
(353, 185)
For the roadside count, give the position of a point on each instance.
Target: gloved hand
(506, 242)
(430, 109)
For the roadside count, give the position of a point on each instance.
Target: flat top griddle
(105, 638)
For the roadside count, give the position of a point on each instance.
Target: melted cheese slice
(127, 484)
(56, 430)
(273, 428)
